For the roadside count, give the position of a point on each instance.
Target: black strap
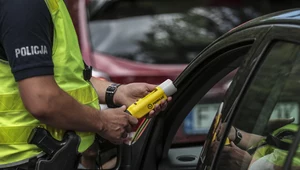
(87, 72)
(277, 142)
(109, 95)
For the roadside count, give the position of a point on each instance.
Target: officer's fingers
(163, 104)
(151, 113)
(155, 111)
(128, 128)
(124, 135)
(127, 140)
(132, 120)
(122, 108)
(157, 108)
(119, 139)
(125, 114)
(150, 87)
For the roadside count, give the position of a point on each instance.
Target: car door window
(266, 119)
(197, 123)
(197, 96)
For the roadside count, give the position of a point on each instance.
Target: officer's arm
(100, 86)
(43, 98)
(26, 24)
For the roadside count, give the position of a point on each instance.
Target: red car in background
(151, 41)
(111, 67)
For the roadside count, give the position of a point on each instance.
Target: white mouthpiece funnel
(168, 87)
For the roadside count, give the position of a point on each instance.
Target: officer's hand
(130, 93)
(116, 124)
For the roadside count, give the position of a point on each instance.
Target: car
(265, 54)
(243, 49)
(265, 51)
(116, 41)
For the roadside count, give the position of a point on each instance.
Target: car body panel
(289, 16)
(125, 71)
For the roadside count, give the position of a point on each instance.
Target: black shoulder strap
(87, 72)
(277, 142)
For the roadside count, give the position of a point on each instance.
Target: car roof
(290, 16)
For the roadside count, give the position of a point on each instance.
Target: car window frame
(282, 32)
(259, 33)
(292, 151)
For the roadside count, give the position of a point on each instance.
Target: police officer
(42, 83)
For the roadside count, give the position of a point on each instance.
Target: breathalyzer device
(144, 105)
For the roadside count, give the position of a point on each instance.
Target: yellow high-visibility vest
(16, 122)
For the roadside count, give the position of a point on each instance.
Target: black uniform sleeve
(26, 33)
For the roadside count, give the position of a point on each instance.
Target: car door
(259, 105)
(154, 150)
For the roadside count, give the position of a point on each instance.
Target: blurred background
(150, 41)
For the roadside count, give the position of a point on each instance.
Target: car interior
(265, 110)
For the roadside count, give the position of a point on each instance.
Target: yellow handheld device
(144, 105)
